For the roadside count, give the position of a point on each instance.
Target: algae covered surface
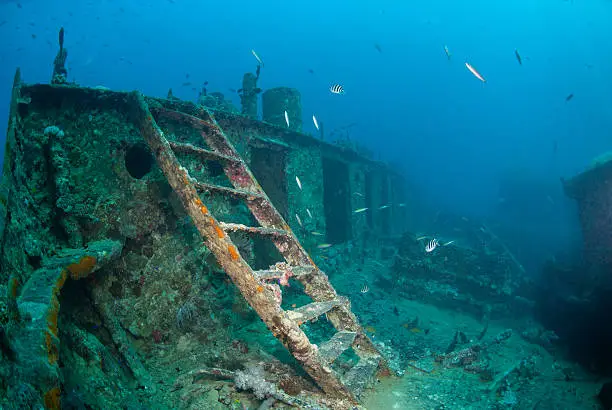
(110, 299)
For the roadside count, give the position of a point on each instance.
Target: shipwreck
(140, 235)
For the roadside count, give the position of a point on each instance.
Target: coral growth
(186, 315)
(252, 378)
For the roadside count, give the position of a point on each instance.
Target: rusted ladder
(257, 287)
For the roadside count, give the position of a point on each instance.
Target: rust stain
(13, 286)
(52, 353)
(204, 209)
(52, 399)
(233, 252)
(82, 268)
(54, 309)
(219, 231)
(52, 315)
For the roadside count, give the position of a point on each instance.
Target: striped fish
(433, 244)
(336, 89)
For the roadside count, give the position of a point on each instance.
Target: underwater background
(457, 139)
(492, 151)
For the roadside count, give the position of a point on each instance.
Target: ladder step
(337, 345)
(268, 274)
(314, 310)
(231, 227)
(200, 152)
(212, 134)
(361, 376)
(239, 193)
(184, 118)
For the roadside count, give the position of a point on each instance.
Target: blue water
(453, 136)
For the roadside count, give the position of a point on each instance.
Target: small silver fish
(433, 244)
(299, 220)
(360, 210)
(384, 207)
(448, 243)
(401, 205)
(257, 57)
(476, 73)
(324, 245)
(358, 194)
(447, 51)
(316, 123)
(287, 118)
(298, 182)
(309, 213)
(315, 233)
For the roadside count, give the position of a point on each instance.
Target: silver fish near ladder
(316, 123)
(476, 73)
(433, 244)
(287, 118)
(257, 57)
(336, 89)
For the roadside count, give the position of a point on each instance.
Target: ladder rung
(231, 227)
(361, 375)
(313, 310)
(249, 196)
(337, 345)
(268, 274)
(212, 134)
(184, 118)
(201, 152)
